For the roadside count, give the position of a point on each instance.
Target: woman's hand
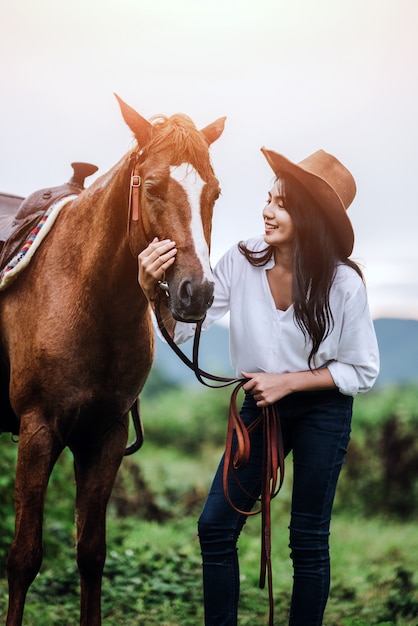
(153, 262)
(266, 388)
(269, 388)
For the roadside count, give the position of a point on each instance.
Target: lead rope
(273, 453)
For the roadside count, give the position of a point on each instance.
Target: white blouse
(267, 340)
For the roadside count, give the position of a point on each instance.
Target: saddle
(18, 215)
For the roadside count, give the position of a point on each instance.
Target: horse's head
(176, 190)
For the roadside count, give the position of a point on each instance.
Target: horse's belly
(71, 367)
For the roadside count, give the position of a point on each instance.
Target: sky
(291, 75)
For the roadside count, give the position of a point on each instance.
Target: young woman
(301, 332)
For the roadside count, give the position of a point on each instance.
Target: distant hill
(398, 344)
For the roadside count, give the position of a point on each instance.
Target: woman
(302, 334)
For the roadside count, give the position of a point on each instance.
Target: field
(153, 573)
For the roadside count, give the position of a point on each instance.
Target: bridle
(134, 206)
(236, 456)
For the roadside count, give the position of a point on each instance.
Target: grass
(153, 572)
(153, 575)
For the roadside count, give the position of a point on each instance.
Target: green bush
(187, 419)
(59, 505)
(401, 600)
(8, 456)
(381, 471)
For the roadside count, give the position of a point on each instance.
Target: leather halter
(273, 453)
(134, 192)
(134, 205)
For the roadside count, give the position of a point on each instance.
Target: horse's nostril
(192, 299)
(185, 292)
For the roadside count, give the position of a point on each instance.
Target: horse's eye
(153, 190)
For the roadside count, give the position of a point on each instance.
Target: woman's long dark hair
(315, 257)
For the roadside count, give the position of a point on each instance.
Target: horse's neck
(98, 223)
(103, 208)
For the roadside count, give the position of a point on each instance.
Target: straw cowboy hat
(329, 183)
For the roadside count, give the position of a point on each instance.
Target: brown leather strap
(138, 428)
(273, 467)
(134, 193)
(134, 202)
(272, 475)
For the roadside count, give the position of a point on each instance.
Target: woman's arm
(268, 388)
(356, 362)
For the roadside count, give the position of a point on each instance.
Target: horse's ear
(213, 131)
(140, 127)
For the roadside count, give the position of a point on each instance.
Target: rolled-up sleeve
(357, 362)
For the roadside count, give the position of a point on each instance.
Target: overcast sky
(293, 75)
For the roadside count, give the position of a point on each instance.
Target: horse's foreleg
(95, 474)
(36, 457)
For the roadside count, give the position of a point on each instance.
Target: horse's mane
(181, 135)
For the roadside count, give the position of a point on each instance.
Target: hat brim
(328, 200)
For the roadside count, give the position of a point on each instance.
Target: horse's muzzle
(190, 301)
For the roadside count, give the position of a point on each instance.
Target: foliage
(187, 419)
(152, 573)
(401, 600)
(381, 473)
(138, 587)
(153, 576)
(8, 455)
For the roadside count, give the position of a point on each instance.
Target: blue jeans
(316, 427)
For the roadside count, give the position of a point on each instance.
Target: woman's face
(278, 225)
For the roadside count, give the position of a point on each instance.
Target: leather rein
(237, 456)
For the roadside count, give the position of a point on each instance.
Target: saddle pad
(22, 258)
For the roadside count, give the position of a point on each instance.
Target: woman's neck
(280, 278)
(283, 258)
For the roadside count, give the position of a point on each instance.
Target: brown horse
(77, 339)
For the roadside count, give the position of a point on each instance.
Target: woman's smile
(269, 227)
